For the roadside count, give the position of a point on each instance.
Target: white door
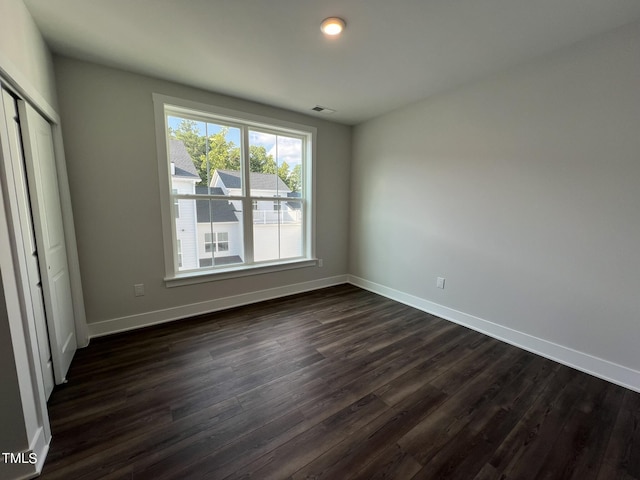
(47, 221)
(34, 285)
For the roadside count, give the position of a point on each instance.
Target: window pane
(277, 234)
(291, 229)
(262, 164)
(205, 157)
(219, 232)
(184, 143)
(289, 160)
(275, 164)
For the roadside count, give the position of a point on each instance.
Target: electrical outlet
(320, 262)
(139, 289)
(440, 282)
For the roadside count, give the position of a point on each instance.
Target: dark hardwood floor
(338, 383)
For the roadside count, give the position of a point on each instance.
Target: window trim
(173, 277)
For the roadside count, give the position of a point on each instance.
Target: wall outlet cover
(139, 289)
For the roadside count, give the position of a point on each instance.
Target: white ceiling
(392, 53)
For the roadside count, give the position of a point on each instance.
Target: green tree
(222, 155)
(294, 180)
(207, 156)
(218, 153)
(260, 161)
(283, 173)
(196, 144)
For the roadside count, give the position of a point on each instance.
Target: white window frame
(177, 106)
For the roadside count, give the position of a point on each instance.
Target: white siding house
(219, 230)
(210, 232)
(277, 224)
(184, 177)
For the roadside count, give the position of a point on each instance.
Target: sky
(283, 148)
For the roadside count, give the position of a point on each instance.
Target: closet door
(47, 221)
(33, 286)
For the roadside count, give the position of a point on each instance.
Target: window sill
(190, 278)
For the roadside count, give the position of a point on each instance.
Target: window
(222, 244)
(208, 242)
(216, 168)
(216, 242)
(176, 203)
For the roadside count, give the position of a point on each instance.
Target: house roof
(179, 156)
(215, 211)
(259, 181)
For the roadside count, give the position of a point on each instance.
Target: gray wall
(110, 145)
(523, 191)
(23, 53)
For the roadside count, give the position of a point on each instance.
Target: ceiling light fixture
(321, 109)
(332, 26)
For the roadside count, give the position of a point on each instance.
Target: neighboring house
(209, 232)
(277, 224)
(184, 177)
(219, 230)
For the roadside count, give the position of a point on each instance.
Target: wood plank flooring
(336, 384)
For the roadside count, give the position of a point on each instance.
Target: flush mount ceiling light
(332, 26)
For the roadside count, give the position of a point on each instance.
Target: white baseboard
(584, 362)
(41, 448)
(132, 322)
(26, 470)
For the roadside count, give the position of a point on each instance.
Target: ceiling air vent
(326, 110)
